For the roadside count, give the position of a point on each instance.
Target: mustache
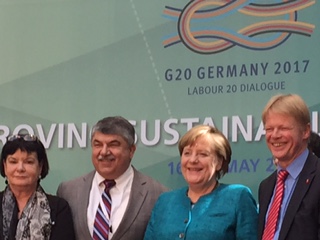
(108, 157)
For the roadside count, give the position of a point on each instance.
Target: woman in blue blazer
(206, 208)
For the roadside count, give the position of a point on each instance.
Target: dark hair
(314, 143)
(11, 146)
(115, 125)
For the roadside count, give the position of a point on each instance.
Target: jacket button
(186, 220)
(181, 235)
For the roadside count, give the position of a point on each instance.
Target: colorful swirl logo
(201, 24)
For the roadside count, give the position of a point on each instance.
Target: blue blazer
(227, 213)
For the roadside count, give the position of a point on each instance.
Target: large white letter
(236, 122)
(314, 121)
(60, 135)
(144, 133)
(225, 126)
(174, 133)
(6, 131)
(260, 132)
(72, 130)
(46, 143)
(21, 127)
(208, 121)
(189, 122)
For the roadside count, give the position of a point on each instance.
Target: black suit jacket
(302, 218)
(61, 218)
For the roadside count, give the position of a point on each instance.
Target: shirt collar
(119, 181)
(296, 166)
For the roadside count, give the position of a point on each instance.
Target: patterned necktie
(102, 223)
(273, 215)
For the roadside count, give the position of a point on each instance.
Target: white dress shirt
(120, 194)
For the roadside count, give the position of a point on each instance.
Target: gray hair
(116, 125)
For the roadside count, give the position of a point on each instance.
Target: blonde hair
(221, 145)
(290, 104)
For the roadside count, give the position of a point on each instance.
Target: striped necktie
(102, 223)
(273, 216)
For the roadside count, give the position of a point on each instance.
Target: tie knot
(109, 184)
(282, 175)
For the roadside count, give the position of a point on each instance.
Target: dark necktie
(102, 224)
(273, 216)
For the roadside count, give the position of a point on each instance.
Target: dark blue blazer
(302, 218)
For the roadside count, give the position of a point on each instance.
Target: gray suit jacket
(145, 192)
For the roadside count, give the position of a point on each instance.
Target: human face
(199, 163)
(111, 155)
(285, 137)
(22, 170)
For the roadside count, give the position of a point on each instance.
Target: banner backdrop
(164, 65)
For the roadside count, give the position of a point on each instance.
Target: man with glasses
(115, 200)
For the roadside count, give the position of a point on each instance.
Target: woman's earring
(6, 180)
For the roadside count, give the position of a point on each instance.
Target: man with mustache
(132, 193)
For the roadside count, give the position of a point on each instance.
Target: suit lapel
(84, 189)
(306, 177)
(137, 198)
(266, 191)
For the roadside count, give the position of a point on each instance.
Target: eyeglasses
(25, 137)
